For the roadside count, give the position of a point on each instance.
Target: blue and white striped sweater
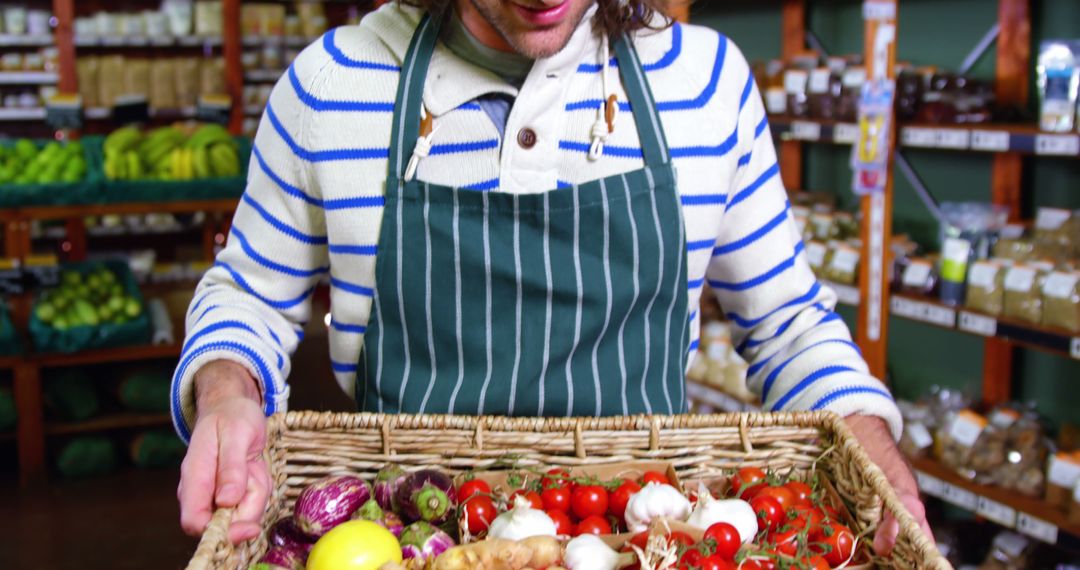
(313, 206)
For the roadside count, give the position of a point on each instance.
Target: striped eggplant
(329, 502)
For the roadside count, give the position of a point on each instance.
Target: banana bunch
(169, 153)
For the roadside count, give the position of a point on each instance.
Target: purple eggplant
(386, 485)
(426, 495)
(281, 557)
(421, 540)
(371, 511)
(329, 502)
(286, 533)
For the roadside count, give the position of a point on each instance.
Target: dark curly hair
(613, 17)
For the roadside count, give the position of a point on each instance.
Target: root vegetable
(500, 554)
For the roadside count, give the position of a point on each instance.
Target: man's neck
(480, 28)
(512, 67)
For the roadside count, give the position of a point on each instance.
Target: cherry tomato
(787, 542)
(814, 563)
(557, 478)
(589, 500)
(563, 524)
(768, 511)
(593, 525)
(747, 482)
(801, 492)
(474, 487)
(680, 537)
(726, 538)
(640, 540)
(716, 562)
(618, 499)
(654, 477)
(783, 495)
(803, 518)
(531, 496)
(831, 512)
(556, 498)
(479, 511)
(691, 558)
(839, 540)
(757, 564)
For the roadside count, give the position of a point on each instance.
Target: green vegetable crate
(88, 333)
(114, 191)
(36, 173)
(303, 447)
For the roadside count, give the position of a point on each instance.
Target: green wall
(942, 33)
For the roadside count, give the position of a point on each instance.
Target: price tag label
(1074, 348)
(961, 497)
(990, 141)
(805, 131)
(918, 137)
(11, 277)
(845, 294)
(925, 312)
(214, 109)
(966, 427)
(981, 325)
(917, 274)
(879, 11)
(930, 485)
(997, 512)
(1057, 145)
(113, 41)
(955, 139)
(131, 109)
(1036, 528)
(845, 133)
(64, 111)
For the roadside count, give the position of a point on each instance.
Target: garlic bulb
(736, 512)
(521, 522)
(587, 552)
(653, 501)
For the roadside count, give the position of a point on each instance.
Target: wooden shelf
(290, 41)
(147, 41)
(28, 78)
(1033, 517)
(1020, 139)
(8, 362)
(17, 114)
(107, 355)
(20, 40)
(263, 75)
(109, 422)
(104, 113)
(121, 208)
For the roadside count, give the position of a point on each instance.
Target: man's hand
(874, 436)
(224, 465)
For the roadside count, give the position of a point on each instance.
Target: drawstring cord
(609, 108)
(423, 143)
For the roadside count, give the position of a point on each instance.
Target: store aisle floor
(125, 521)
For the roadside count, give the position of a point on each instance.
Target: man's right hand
(224, 466)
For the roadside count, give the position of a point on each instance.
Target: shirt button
(526, 138)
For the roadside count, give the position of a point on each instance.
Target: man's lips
(545, 15)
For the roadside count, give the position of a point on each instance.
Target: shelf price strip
(990, 141)
(977, 324)
(1057, 145)
(924, 312)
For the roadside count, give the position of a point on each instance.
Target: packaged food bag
(1061, 300)
(986, 287)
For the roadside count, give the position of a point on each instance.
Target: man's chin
(541, 43)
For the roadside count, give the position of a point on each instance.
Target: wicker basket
(305, 446)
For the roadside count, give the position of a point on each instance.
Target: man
(517, 203)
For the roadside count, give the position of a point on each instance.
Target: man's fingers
(196, 488)
(232, 479)
(885, 537)
(241, 531)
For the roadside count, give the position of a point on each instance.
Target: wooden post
(30, 430)
(76, 238)
(1012, 85)
(793, 43)
(64, 36)
(876, 257)
(231, 50)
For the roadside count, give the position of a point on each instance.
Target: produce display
(87, 300)
(25, 163)
(596, 518)
(171, 153)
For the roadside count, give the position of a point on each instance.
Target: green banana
(134, 165)
(224, 160)
(209, 134)
(122, 139)
(200, 160)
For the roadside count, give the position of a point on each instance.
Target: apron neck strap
(410, 94)
(650, 131)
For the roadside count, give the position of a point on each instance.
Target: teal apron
(571, 302)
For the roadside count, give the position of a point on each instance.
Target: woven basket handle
(216, 534)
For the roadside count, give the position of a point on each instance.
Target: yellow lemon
(354, 545)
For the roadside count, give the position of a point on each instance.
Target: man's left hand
(876, 439)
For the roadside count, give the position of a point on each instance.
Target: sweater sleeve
(800, 352)
(251, 306)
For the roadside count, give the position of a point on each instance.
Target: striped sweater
(313, 205)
